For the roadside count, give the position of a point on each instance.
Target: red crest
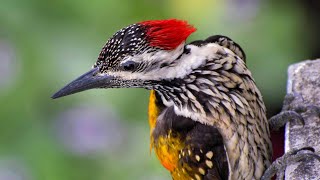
(167, 34)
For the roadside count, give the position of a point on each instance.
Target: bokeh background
(104, 134)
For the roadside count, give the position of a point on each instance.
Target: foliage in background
(103, 134)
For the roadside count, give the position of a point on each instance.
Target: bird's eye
(129, 65)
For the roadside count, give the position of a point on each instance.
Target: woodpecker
(207, 117)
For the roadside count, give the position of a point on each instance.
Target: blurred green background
(104, 134)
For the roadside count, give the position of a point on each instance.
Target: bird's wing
(200, 149)
(225, 42)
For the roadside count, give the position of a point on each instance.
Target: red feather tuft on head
(167, 34)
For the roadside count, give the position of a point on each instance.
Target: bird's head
(140, 55)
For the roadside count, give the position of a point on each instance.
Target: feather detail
(167, 34)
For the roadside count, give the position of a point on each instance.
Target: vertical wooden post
(304, 79)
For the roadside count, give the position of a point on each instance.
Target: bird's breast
(167, 149)
(166, 145)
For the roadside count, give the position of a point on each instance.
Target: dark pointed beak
(89, 80)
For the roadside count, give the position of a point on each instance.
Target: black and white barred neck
(207, 82)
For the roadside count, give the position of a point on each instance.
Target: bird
(206, 115)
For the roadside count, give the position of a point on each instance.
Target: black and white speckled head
(138, 54)
(128, 41)
(144, 46)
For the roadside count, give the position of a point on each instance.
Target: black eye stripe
(164, 65)
(140, 67)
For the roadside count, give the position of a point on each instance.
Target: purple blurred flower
(89, 130)
(12, 170)
(239, 11)
(8, 68)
